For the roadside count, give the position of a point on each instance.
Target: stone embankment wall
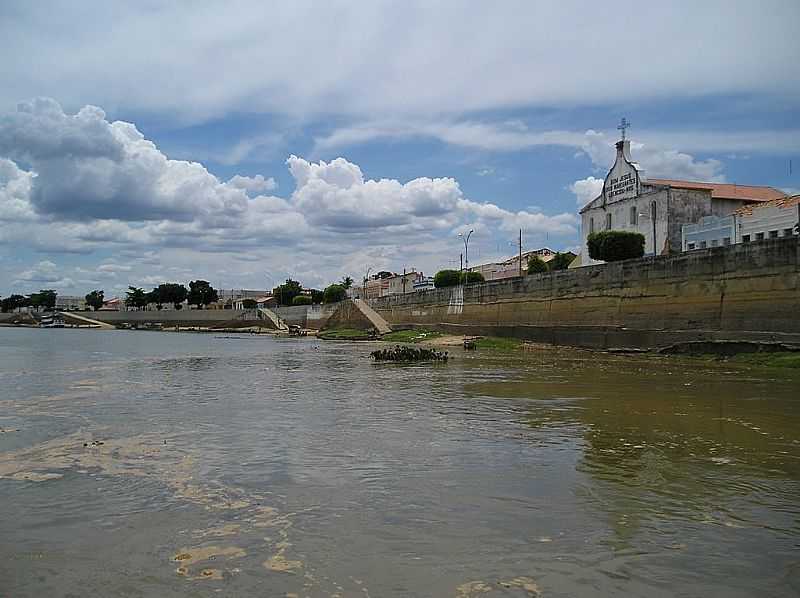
(745, 292)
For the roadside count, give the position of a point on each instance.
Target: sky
(247, 142)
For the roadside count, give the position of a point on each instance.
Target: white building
(70, 303)
(659, 208)
(770, 220)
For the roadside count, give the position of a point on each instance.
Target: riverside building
(659, 208)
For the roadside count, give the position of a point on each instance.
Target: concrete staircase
(68, 315)
(268, 314)
(381, 325)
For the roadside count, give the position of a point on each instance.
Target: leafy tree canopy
(136, 297)
(95, 299)
(45, 298)
(301, 300)
(346, 282)
(287, 291)
(561, 261)
(201, 293)
(334, 293)
(170, 292)
(536, 265)
(12, 302)
(615, 245)
(249, 303)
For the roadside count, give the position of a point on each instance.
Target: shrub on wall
(473, 277)
(301, 300)
(451, 278)
(446, 278)
(615, 245)
(334, 293)
(536, 265)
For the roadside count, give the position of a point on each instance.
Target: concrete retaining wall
(740, 292)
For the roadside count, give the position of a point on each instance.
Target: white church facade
(659, 208)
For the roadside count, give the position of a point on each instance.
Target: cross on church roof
(623, 124)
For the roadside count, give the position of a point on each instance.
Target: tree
(346, 282)
(95, 299)
(536, 265)
(201, 293)
(136, 298)
(615, 245)
(13, 302)
(249, 303)
(561, 261)
(334, 293)
(287, 291)
(45, 299)
(301, 300)
(446, 278)
(317, 296)
(171, 292)
(153, 297)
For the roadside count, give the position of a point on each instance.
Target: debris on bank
(400, 353)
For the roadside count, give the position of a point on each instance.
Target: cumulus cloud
(87, 167)
(181, 213)
(256, 184)
(587, 189)
(43, 273)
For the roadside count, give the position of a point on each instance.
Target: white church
(658, 208)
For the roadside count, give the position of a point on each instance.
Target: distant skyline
(245, 144)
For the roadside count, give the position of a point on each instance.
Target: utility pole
(520, 253)
(404, 280)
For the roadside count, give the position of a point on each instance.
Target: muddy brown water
(165, 464)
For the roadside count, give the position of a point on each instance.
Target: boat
(54, 321)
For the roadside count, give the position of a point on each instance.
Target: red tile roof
(783, 202)
(726, 190)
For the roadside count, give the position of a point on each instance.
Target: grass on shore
(411, 336)
(348, 334)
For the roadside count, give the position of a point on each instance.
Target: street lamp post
(366, 277)
(465, 238)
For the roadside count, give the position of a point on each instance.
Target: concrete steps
(381, 325)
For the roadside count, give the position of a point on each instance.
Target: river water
(169, 464)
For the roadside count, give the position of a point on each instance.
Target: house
(659, 208)
(114, 304)
(70, 303)
(770, 220)
(511, 267)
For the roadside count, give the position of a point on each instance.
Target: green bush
(472, 277)
(615, 245)
(536, 265)
(451, 278)
(334, 293)
(301, 300)
(446, 278)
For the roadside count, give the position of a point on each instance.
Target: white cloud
(256, 184)
(494, 57)
(180, 221)
(587, 189)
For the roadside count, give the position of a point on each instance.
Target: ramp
(84, 320)
(381, 325)
(268, 314)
